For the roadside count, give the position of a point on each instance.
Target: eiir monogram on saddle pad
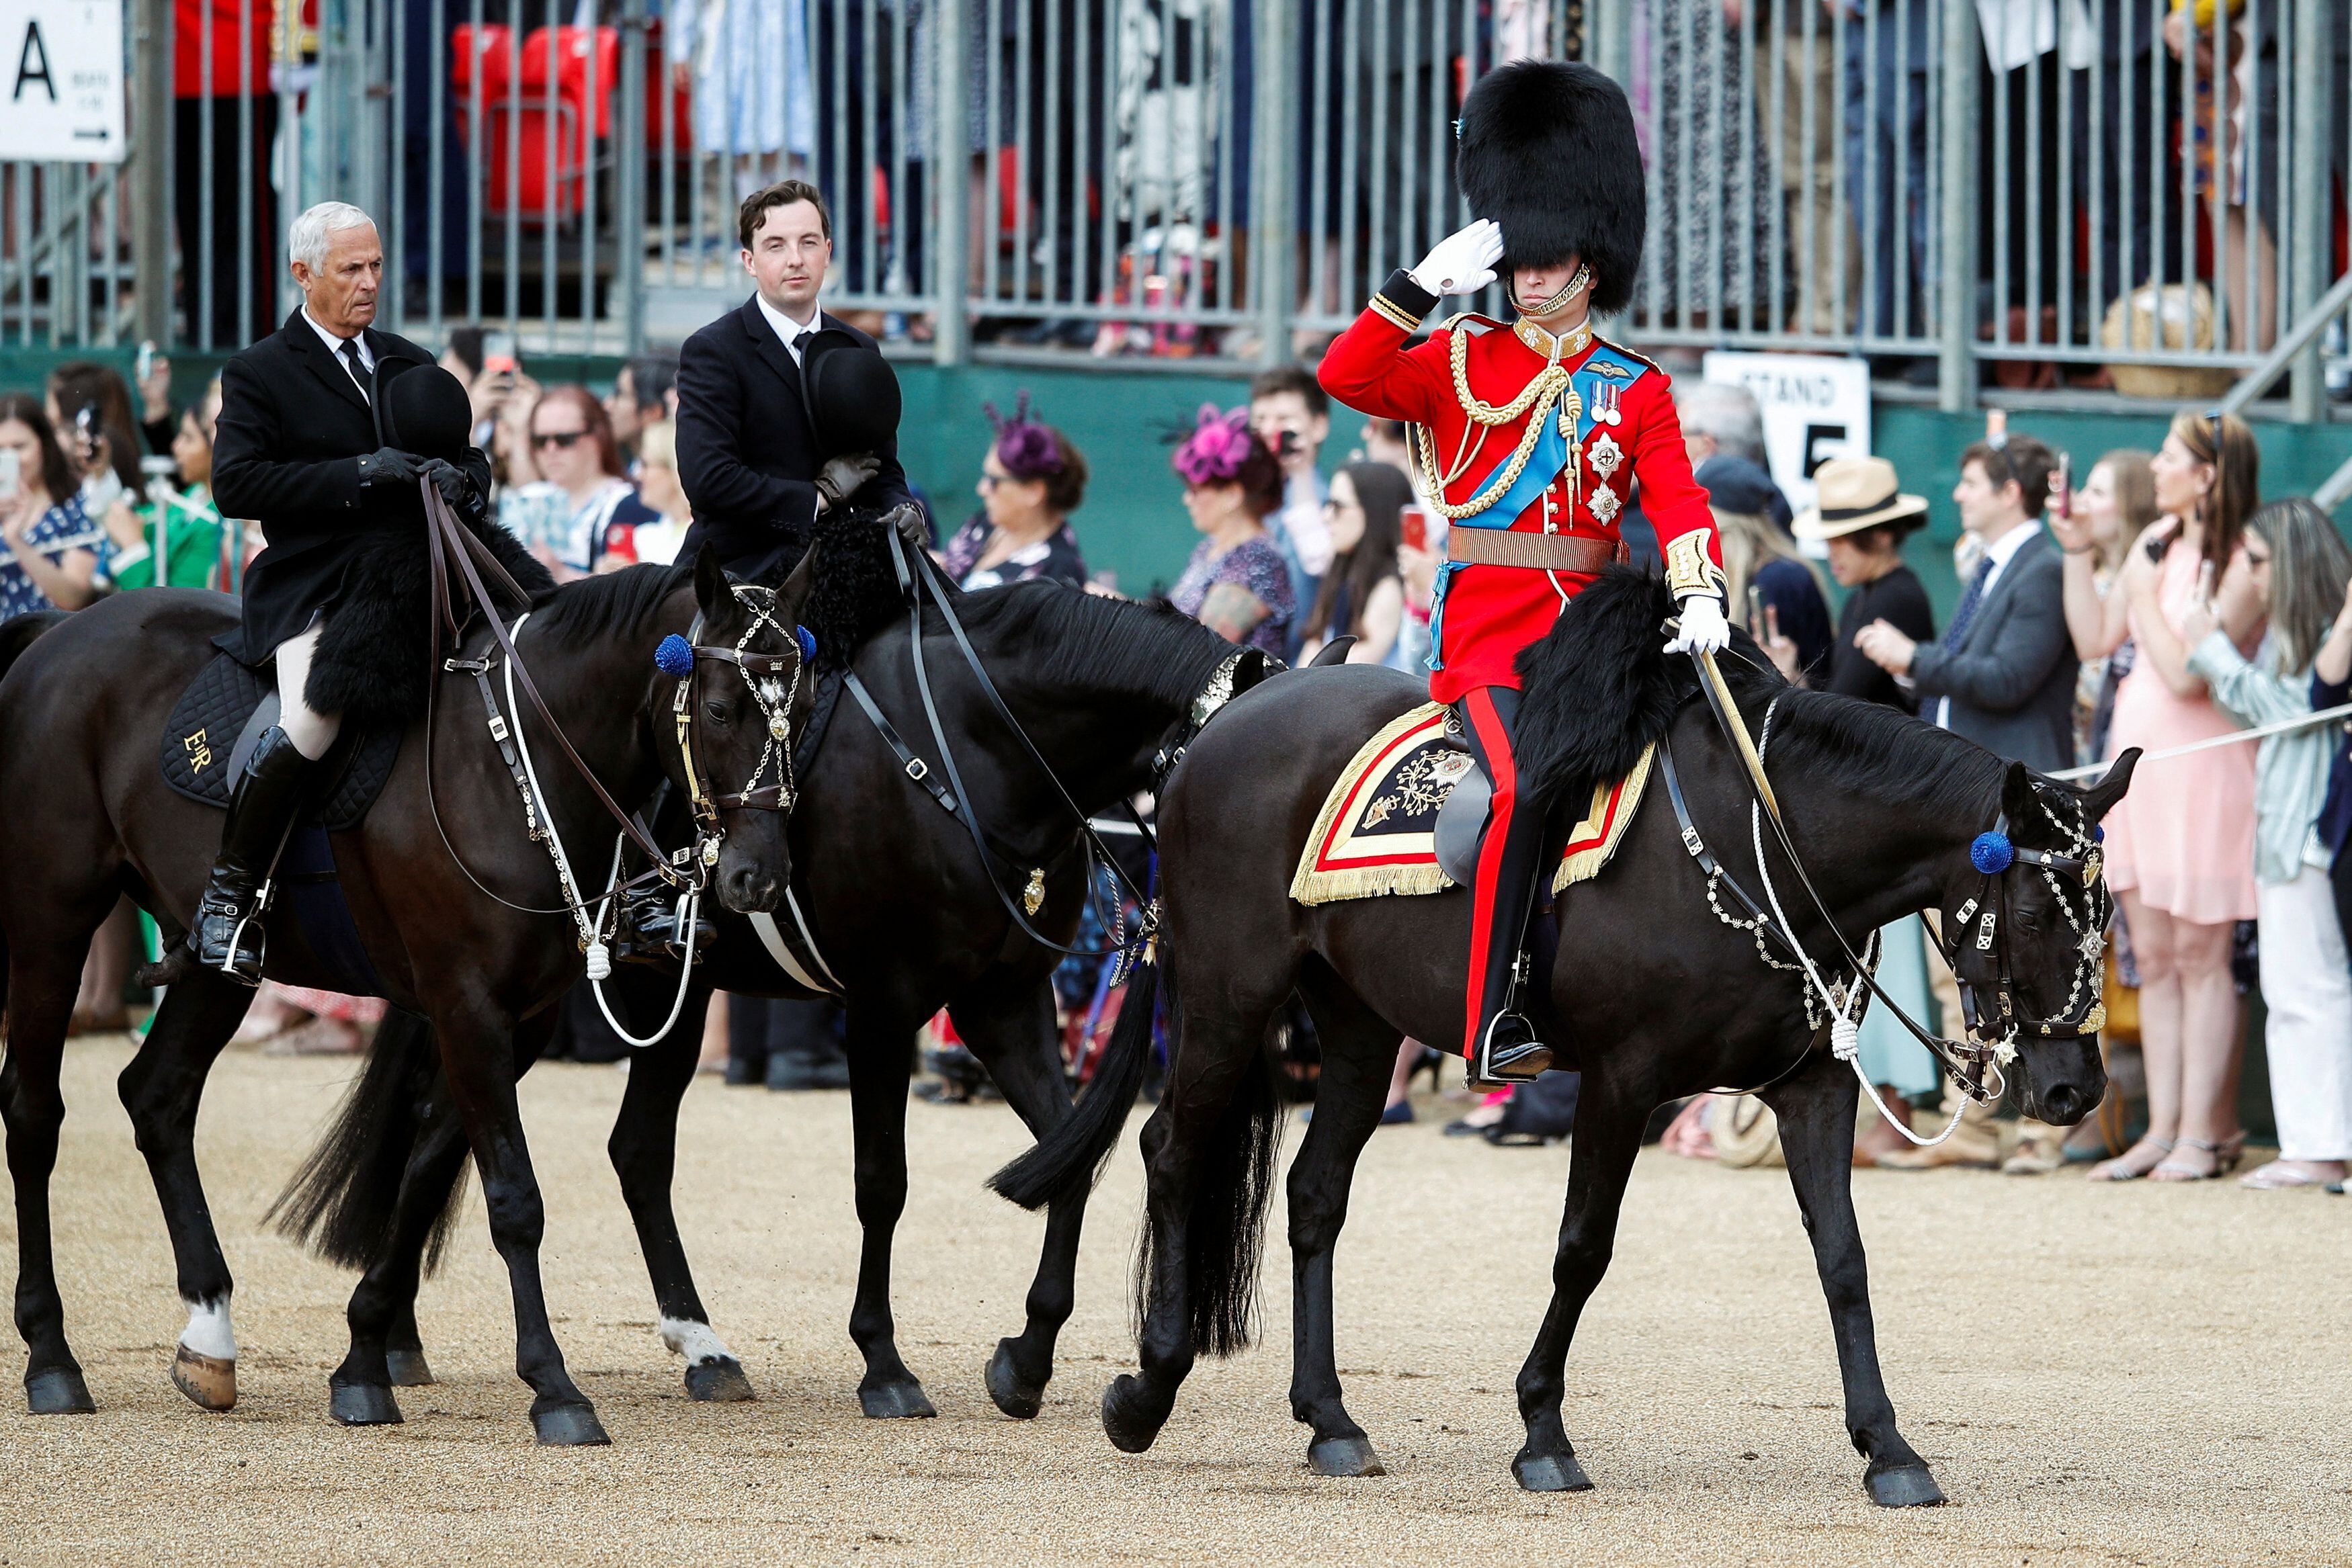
(1377, 835)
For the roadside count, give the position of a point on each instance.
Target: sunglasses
(563, 438)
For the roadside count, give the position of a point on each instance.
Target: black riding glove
(907, 518)
(388, 466)
(842, 477)
(456, 488)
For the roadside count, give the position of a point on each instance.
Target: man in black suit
(298, 451)
(749, 452)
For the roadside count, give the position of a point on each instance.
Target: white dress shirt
(335, 347)
(1999, 553)
(787, 329)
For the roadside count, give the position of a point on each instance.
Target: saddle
(222, 712)
(212, 729)
(1409, 811)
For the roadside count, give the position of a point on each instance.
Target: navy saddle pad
(221, 714)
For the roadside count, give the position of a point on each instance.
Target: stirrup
(227, 937)
(1508, 1052)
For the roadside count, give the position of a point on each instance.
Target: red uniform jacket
(1486, 613)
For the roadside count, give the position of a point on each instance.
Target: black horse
(1653, 995)
(83, 708)
(899, 905)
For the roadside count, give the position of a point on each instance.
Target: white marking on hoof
(694, 1341)
(208, 1332)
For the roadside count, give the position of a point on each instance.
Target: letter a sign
(61, 81)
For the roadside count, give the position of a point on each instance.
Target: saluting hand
(1464, 262)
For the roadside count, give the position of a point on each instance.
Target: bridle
(1990, 1043)
(1996, 854)
(773, 681)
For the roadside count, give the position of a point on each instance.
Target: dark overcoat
(293, 427)
(748, 453)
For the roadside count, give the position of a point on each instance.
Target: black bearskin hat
(422, 409)
(851, 392)
(1548, 152)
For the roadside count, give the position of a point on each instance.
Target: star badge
(1604, 505)
(1605, 456)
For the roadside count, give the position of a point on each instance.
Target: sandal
(2121, 1168)
(2281, 1175)
(2172, 1170)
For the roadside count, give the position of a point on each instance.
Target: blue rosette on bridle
(1992, 853)
(675, 657)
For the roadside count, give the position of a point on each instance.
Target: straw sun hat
(1856, 493)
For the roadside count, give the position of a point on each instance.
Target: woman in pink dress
(2180, 845)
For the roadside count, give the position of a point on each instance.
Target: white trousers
(310, 731)
(2308, 990)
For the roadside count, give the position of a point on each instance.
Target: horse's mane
(612, 603)
(1882, 752)
(1150, 652)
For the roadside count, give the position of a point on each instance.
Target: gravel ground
(2133, 1375)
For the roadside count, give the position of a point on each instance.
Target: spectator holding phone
(2180, 845)
(89, 408)
(180, 523)
(48, 546)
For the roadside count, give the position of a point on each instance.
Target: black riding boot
(647, 928)
(1506, 1049)
(227, 934)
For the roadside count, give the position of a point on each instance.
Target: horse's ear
(793, 596)
(710, 590)
(2017, 796)
(2100, 798)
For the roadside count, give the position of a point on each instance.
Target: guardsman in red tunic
(1531, 436)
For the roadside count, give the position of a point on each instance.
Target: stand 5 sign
(64, 80)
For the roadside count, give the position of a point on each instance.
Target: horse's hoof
(209, 1382)
(569, 1427)
(895, 1401)
(1344, 1457)
(1015, 1398)
(59, 1391)
(1910, 1487)
(408, 1369)
(1128, 1433)
(1550, 1472)
(363, 1404)
(720, 1382)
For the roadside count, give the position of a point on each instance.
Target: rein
(1970, 1062)
(918, 575)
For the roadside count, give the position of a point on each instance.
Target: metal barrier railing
(2045, 191)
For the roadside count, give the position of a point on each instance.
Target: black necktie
(349, 352)
(800, 346)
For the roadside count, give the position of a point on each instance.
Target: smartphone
(146, 360)
(2062, 494)
(1755, 609)
(1415, 521)
(11, 473)
(499, 354)
(2153, 547)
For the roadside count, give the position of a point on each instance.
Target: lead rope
(590, 927)
(1845, 1029)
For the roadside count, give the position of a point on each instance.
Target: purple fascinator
(1025, 446)
(1220, 443)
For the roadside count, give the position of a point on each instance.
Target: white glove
(1704, 628)
(1462, 262)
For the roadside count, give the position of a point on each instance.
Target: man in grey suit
(2003, 673)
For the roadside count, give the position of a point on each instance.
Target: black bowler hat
(421, 407)
(851, 392)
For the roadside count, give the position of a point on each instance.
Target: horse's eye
(715, 710)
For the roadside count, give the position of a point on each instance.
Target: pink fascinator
(1220, 443)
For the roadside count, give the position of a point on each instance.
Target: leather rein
(1970, 1061)
(478, 577)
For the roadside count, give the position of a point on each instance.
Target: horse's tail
(343, 1200)
(1072, 1151)
(1224, 1235)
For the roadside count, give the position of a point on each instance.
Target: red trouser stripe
(1494, 741)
